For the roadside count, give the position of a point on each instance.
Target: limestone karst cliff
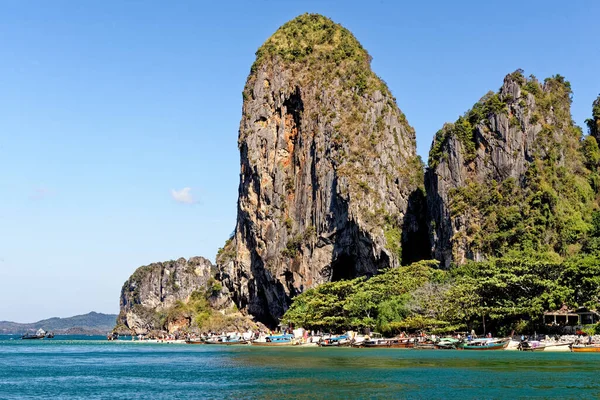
(331, 187)
(328, 164)
(510, 175)
(176, 296)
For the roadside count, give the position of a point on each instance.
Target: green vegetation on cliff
(464, 129)
(328, 50)
(594, 122)
(551, 212)
(193, 314)
(552, 100)
(313, 37)
(547, 208)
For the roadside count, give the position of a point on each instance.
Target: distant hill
(91, 323)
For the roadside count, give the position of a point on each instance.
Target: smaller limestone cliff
(175, 296)
(510, 175)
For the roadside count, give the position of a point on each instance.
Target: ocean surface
(73, 367)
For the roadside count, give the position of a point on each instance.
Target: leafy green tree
(582, 275)
(591, 152)
(594, 122)
(390, 312)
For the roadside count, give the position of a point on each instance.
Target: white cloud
(183, 196)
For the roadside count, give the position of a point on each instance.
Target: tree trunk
(483, 317)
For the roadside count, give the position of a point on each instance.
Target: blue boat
(275, 340)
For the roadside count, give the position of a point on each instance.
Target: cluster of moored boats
(40, 334)
(376, 341)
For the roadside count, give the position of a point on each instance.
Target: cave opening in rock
(416, 245)
(294, 107)
(344, 267)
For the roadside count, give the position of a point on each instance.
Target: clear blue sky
(110, 109)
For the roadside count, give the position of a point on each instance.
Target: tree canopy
(502, 294)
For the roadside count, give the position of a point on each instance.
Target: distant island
(92, 323)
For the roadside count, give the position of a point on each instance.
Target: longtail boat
(485, 344)
(275, 340)
(336, 341)
(195, 341)
(397, 343)
(586, 348)
(226, 340)
(447, 344)
(531, 345)
(429, 345)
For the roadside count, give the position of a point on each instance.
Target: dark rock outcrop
(328, 164)
(486, 170)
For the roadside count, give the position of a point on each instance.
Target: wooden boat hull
(195, 342)
(529, 347)
(445, 347)
(534, 349)
(585, 348)
(424, 346)
(310, 344)
(390, 345)
(491, 346)
(335, 344)
(228, 343)
(272, 344)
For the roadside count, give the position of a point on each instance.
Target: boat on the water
(195, 341)
(336, 341)
(305, 344)
(427, 345)
(586, 348)
(447, 343)
(226, 340)
(397, 343)
(485, 344)
(40, 334)
(275, 340)
(531, 345)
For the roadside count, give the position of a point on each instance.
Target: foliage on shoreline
(505, 294)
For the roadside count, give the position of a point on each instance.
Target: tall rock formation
(509, 175)
(328, 163)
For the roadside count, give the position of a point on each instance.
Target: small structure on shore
(569, 318)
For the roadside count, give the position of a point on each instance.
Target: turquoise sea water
(98, 369)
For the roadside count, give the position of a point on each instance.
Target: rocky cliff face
(509, 174)
(328, 163)
(156, 288)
